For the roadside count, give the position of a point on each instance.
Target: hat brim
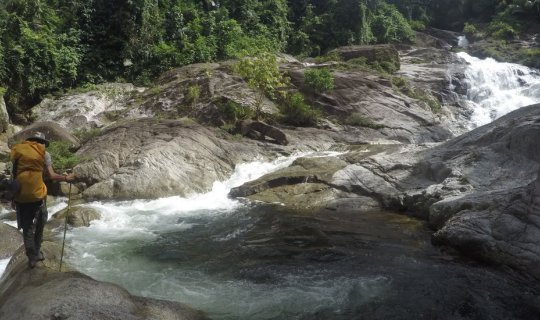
(39, 140)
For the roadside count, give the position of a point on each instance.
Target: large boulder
(45, 293)
(78, 216)
(150, 158)
(10, 240)
(199, 91)
(52, 131)
(393, 116)
(260, 130)
(93, 108)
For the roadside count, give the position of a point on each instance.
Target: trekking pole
(65, 227)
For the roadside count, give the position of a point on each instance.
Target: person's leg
(41, 219)
(28, 212)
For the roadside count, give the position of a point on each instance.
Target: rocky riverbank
(478, 191)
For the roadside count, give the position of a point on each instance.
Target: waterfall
(496, 88)
(463, 42)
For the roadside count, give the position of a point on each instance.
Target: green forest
(51, 45)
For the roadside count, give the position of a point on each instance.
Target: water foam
(115, 249)
(496, 88)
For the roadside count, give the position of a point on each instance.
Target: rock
(79, 216)
(477, 190)
(259, 130)
(45, 293)
(447, 36)
(303, 185)
(10, 240)
(480, 191)
(498, 226)
(86, 110)
(400, 118)
(373, 53)
(52, 131)
(67, 188)
(150, 158)
(200, 92)
(4, 116)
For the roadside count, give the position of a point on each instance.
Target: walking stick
(65, 227)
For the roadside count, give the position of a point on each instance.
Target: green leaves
(262, 74)
(319, 79)
(61, 155)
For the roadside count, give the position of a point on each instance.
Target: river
(241, 260)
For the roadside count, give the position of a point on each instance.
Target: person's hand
(70, 177)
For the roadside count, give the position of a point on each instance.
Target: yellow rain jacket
(30, 168)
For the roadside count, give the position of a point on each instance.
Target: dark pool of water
(269, 263)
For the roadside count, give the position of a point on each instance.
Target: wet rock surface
(45, 293)
(10, 240)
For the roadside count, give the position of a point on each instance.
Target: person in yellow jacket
(30, 161)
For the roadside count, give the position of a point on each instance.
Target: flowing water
(241, 260)
(496, 88)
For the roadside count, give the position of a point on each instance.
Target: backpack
(13, 186)
(29, 157)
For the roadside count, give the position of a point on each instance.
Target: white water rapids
(497, 88)
(115, 249)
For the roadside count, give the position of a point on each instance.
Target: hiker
(30, 160)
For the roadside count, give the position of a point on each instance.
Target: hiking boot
(40, 256)
(32, 263)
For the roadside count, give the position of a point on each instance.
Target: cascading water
(242, 260)
(496, 88)
(177, 249)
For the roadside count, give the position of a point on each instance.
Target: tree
(263, 75)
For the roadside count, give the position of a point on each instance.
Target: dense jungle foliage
(50, 45)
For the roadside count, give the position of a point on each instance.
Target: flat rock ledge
(44, 293)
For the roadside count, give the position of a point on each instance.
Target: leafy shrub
(417, 25)
(469, 28)
(262, 74)
(358, 120)
(193, 93)
(234, 111)
(400, 82)
(502, 30)
(62, 157)
(297, 112)
(85, 135)
(319, 79)
(360, 61)
(331, 56)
